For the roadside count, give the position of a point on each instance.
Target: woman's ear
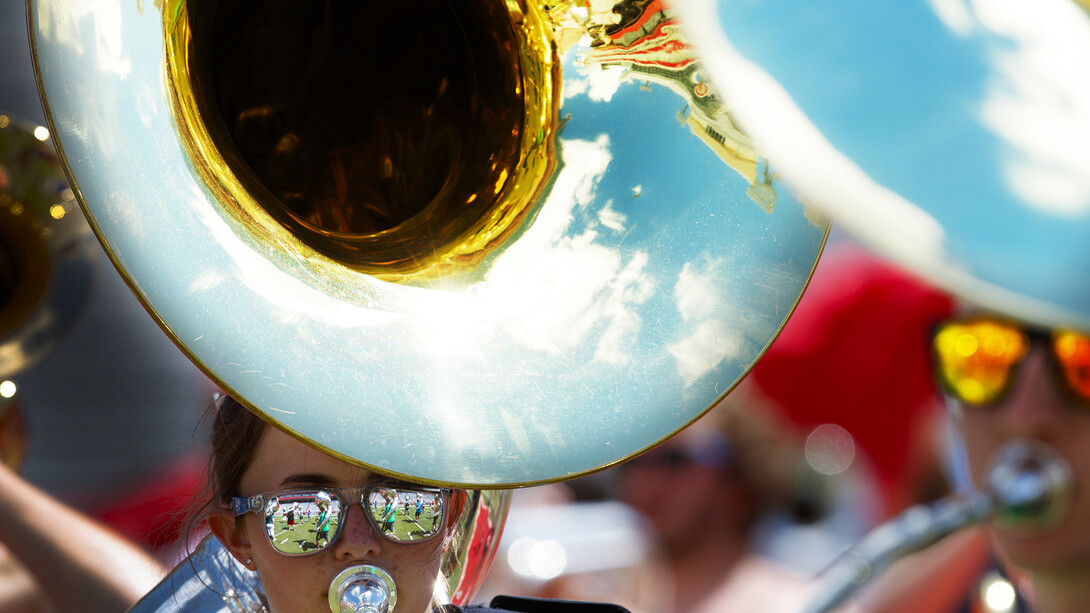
(231, 533)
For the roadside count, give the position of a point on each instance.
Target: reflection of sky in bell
(988, 132)
(654, 168)
(679, 279)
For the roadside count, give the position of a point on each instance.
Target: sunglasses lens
(974, 359)
(1073, 353)
(302, 521)
(406, 514)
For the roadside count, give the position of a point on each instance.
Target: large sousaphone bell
(487, 245)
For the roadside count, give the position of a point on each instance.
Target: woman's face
(1036, 408)
(674, 492)
(301, 584)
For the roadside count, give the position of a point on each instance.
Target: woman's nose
(1036, 404)
(358, 540)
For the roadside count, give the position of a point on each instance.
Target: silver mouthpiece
(1030, 485)
(362, 589)
(1027, 489)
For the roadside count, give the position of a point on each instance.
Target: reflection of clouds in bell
(1038, 100)
(597, 82)
(695, 293)
(611, 218)
(559, 284)
(710, 338)
(631, 286)
(65, 30)
(954, 14)
(1041, 103)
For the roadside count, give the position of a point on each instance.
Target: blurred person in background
(853, 356)
(853, 369)
(702, 492)
(847, 385)
(1007, 380)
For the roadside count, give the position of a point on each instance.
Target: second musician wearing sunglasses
(1009, 381)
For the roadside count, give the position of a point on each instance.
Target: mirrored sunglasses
(976, 360)
(305, 521)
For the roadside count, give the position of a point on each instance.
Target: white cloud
(1039, 100)
(554, 287)
(631, 286)
(695, 294)
(598, 82)
(611, 218)
(954, 14)
(711, 342)
(710, 338)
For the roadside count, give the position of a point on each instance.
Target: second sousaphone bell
(950, 136)
(46, 264)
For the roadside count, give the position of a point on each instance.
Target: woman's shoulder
(517, 604)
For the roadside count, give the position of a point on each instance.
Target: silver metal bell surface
(1030, 484)
(362, 589)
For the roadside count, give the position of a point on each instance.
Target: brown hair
(234, 435)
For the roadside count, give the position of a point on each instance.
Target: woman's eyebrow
(315, 479)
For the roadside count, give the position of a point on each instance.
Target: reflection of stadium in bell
(645, 39)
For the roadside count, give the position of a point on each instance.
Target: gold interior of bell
(403, 140)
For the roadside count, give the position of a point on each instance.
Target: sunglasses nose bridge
(359, 537)
(1035, 399)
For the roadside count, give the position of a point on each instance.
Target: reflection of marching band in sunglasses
(320, 512)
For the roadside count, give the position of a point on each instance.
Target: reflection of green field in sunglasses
(303, 536)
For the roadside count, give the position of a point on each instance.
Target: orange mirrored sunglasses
(976, 359)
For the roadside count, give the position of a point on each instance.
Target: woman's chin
(1053, 552)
